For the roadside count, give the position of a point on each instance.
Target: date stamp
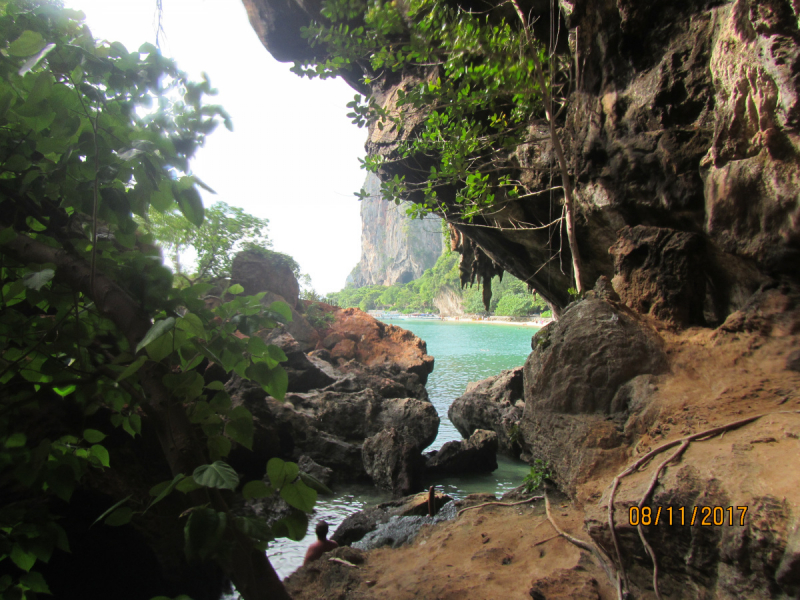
(705, 516)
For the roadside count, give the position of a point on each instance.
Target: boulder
(571, 379)
(304, 374)
(393, 460)
(358, 415)
(356, 335)
(496, 404)
(478, 454)
(358, 524)
(317, 471)
(258, 271)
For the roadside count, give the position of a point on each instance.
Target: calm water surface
(464, 352)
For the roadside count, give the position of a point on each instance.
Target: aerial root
(684, 442)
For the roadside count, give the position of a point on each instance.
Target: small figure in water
(322, 545)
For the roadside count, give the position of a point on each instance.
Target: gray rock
(316, 470)
(392, 459)
(495, 404)
(478, 454)
(571, 380)
(398, 531)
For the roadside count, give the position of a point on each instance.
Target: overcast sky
(292, 156)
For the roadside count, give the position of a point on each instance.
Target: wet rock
(398, 531)
(478, 454)
(317, 471)
(494, 403)
(393, 460)
(571, 378)
(357, 525)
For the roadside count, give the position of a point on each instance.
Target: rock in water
(392, 459)
(571, 378)
(494, 403)
(478, 454)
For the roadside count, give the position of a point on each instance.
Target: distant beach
(534, 322)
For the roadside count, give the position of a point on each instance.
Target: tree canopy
(92, 138)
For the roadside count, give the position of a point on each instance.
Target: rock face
(394, 247)
(572, 384)
(496, 403)
(356, 335)
(258, 272)
(690, 127)
(392, 459)
(478, 454)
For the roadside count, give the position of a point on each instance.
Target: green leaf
(240, 427)
(315, 484)
(215, 385)
(121, 516)
(157, 330)
(35, 582)
(236, 289)
(29, 42)
(275, 381)
(282, 309)
(256, 489)
(24, 560)
(16, 440)
(93, 436)
(191, 206)
(132, 368)
(65, 391)
(165, 489)
(35, 281)
(216, 475)
(187, 485)
(281, 472)
(293, 527)
(101, 454)
(218, 446)
(203, 532)
(299, 495)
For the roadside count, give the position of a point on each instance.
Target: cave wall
(684, 119)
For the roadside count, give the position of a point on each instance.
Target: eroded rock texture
(684, 117)
(576, 404)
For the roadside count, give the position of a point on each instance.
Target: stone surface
(358, 524)
(661, 272)
(494, 403)
(316, 470)
(571, 379)
(393, 461)
(304, 375)
(394, 247)
(257, 272)
(356, 335)
(478, 454)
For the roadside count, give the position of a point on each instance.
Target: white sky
(292, 157)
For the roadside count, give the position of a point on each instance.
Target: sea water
(464, 352)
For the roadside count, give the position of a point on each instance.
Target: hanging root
(639, 463)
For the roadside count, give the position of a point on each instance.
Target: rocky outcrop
(392, 459)
(495, 403)
(265, 271)
(574, 411)
(357, 525)
(356, 335)
(448, 303)
(478, 454)
(394, 247)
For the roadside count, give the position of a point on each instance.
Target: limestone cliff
(394, 247)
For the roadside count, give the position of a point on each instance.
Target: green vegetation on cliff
(510, 297)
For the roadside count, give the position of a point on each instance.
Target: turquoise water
(464, 352)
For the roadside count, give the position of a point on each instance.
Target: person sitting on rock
(321, 546)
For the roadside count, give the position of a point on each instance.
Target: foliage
(224, 231)
(91, 136)
(510, 295)
(540, 470)
(473, 93)
(318, 318)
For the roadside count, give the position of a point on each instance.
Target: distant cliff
(394, 248)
